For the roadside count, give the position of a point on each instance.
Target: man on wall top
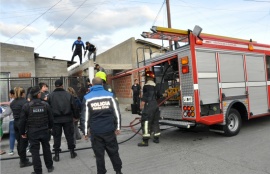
(78, 49)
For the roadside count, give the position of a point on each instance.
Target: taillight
(184, 60)
(185, 69)
(188, 111)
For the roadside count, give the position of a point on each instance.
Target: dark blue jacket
(100, 112)
(78, 45)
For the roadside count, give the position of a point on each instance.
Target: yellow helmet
(101, 75)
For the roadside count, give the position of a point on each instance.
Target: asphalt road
(195, 151)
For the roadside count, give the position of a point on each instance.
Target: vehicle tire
(233, 123)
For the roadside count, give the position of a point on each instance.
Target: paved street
(195, 151)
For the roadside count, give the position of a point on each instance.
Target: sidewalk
(126, 132)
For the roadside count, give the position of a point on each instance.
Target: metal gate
(7, 83)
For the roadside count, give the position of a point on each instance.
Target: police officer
(103, 76)
(150, 110)
(63, 108)
(36, 123)
(102, 116)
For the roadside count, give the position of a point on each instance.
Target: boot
(25, 164)
(119, 172)
(143, 143)
(56, 158)
(50, 169)
(72, 153)
(156, 140)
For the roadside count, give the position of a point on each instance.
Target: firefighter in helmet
(150, 110)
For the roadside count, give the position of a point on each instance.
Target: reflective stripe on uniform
(145, 128)
(157, 134)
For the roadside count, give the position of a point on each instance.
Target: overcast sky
(51, 26)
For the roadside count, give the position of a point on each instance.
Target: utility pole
(169, 20)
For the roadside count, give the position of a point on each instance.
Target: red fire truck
(212, 80)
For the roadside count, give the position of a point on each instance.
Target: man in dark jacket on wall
(91, 50)
(101, 115)
(63, 109)
(37, 120)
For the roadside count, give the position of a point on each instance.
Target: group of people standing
(37, 115)
(45, 114)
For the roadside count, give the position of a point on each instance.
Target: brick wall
(122, 87)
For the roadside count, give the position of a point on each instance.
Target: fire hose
(131, 125)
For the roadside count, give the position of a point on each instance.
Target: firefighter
(150, 110)
(102, 116)
(37, 121)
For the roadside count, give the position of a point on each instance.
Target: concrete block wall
(47, 67)
(17, 59)
(121, 53)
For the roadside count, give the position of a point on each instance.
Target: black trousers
(22, 143)
(77, 53)
(35, 138)
(57, 135)
(150, 120)
(136, 101)
(108, 142)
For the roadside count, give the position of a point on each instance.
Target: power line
(158, 12)
(60, 25)
(72, 29)
(34, 20)
(79, 22)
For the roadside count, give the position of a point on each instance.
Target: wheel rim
(233, 122)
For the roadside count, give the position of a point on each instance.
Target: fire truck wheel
(233, 123)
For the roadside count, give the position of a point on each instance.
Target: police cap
(58, 83)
